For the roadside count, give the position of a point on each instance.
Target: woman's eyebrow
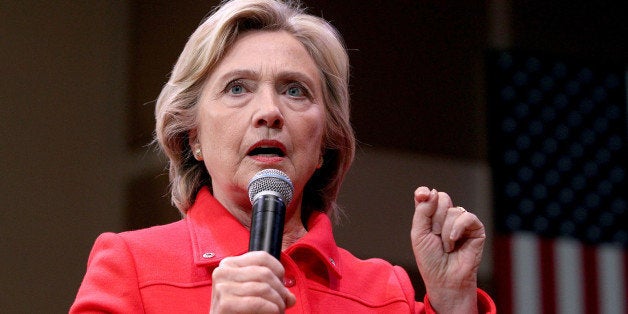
(282, 76)
(239, 73)
(297, 76)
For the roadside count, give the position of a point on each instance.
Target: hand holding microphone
(239, 279)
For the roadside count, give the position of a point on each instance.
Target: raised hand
(447, 242)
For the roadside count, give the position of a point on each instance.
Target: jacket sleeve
(485, 303)
(110, 283)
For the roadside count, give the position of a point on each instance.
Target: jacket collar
(319, 240)
(216, 234)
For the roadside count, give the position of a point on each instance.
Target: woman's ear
(195, 145)
(321, 159)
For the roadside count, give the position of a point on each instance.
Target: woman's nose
(268, 113)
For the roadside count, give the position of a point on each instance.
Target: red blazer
(167, 269)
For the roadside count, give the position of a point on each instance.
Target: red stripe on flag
(548, 275)
(503, 273)
(591, 284)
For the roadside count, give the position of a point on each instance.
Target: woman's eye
(296, 91)
(236, 89)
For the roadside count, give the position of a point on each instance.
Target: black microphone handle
(267, 223)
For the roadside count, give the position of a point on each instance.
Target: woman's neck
(293, 227)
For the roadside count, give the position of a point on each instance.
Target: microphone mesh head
(271, 180)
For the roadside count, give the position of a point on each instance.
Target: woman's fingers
(452, 214)
(424, 207)
(250, 282)
(430, 211)
(435, 213)
(246, 296)
(438, 221)
(459, 224)
(257, 258)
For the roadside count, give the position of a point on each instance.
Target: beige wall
(377, 198)
(65, 161)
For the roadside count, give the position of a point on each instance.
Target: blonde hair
(175, 110)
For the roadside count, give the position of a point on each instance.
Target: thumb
(424, 208)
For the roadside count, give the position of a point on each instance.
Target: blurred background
(80, 78)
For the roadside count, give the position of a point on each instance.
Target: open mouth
(266, 151)
(267, 148)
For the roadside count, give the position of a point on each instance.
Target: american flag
(558, 153)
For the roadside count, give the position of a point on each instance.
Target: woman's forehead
(262, 52)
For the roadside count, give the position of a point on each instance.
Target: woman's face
(262, 107)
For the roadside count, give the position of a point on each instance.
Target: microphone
(270, 191)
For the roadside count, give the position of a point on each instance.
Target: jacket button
(208, 255)
(289, 281)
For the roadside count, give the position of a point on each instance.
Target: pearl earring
(198, 154)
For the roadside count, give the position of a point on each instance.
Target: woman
(262, 85)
